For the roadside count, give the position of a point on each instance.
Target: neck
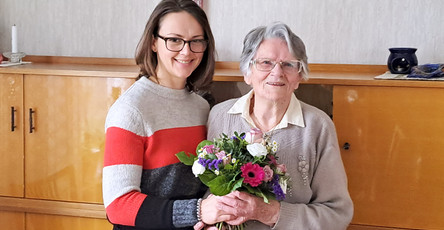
(170, 82)
(267, 114)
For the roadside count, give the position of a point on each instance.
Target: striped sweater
(144, 184)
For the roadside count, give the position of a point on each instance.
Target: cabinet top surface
(328, 74)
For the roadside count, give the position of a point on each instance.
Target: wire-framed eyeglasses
(176, 44)
(266, 65)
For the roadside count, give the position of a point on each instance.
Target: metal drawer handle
(13, 126)
(31, 125)
(346, 146)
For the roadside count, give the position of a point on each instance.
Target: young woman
(144, 184)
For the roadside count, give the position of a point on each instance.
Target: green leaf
(219, 186)
(261, 194)
(257, 192)
(186, 158)
(228, 167)
(237, 185)
(206, 177)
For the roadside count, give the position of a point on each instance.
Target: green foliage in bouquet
(244, 162)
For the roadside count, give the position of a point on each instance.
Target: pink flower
(281, 168)
(226, 160)
(272, 159)
(268, 173)
(209, 149)
(220, 155)
(254, 136)
(253, 174)
(223, 156)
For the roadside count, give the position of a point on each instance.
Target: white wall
(334, 31)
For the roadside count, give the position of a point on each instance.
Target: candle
(14, 39)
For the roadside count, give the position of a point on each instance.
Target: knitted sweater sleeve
(122, 173)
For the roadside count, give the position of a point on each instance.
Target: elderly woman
(273, 63)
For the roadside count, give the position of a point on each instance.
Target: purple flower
(204, 161)
(277, 190)
(210, 164)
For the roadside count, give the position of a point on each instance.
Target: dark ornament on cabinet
(401, 60)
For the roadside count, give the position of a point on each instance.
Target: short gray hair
(279, 30)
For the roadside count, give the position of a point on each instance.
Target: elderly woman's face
(277, 83)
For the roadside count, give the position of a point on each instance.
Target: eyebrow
(180, 36)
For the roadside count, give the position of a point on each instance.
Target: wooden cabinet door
(12, 220)
(395, 161)
(45, 222)
(11, 138)
(64, 150)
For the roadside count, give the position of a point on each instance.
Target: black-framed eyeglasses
(177, 44)
(266, 65)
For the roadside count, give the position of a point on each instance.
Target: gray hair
(256, 36)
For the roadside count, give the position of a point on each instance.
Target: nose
(277, 69)
(186, 48)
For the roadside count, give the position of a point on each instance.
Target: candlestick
(14, 56)
(14, 39)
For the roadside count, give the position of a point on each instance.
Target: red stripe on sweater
(123, 147)
(129, 202)
(164, 144)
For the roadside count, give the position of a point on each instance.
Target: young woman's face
(276, 84)
(174, 67)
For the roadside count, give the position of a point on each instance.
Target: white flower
(257, 150)
(283, 184)
(201, 153)
(197, 168)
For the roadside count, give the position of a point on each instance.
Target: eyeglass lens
(287, 66)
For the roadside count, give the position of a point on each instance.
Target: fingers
(200, 225)
(212, 228)
(211, 212)
(237, 221)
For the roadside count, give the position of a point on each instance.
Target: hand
(210, 212)
(201, 225)
(245, 206)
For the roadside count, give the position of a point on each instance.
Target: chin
(183, 75)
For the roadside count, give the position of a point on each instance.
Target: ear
(154, 44)
(247, 78)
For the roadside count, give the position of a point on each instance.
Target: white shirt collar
(293, 115)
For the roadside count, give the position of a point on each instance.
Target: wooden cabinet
(64, 149)
(51, 177)
(11, 135)
(51, 162)
(395, 159)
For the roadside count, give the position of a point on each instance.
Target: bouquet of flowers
(244, 162)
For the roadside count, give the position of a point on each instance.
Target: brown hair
(201, 78)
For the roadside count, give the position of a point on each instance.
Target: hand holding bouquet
(243, 162)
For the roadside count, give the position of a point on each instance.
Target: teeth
(183, 62)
